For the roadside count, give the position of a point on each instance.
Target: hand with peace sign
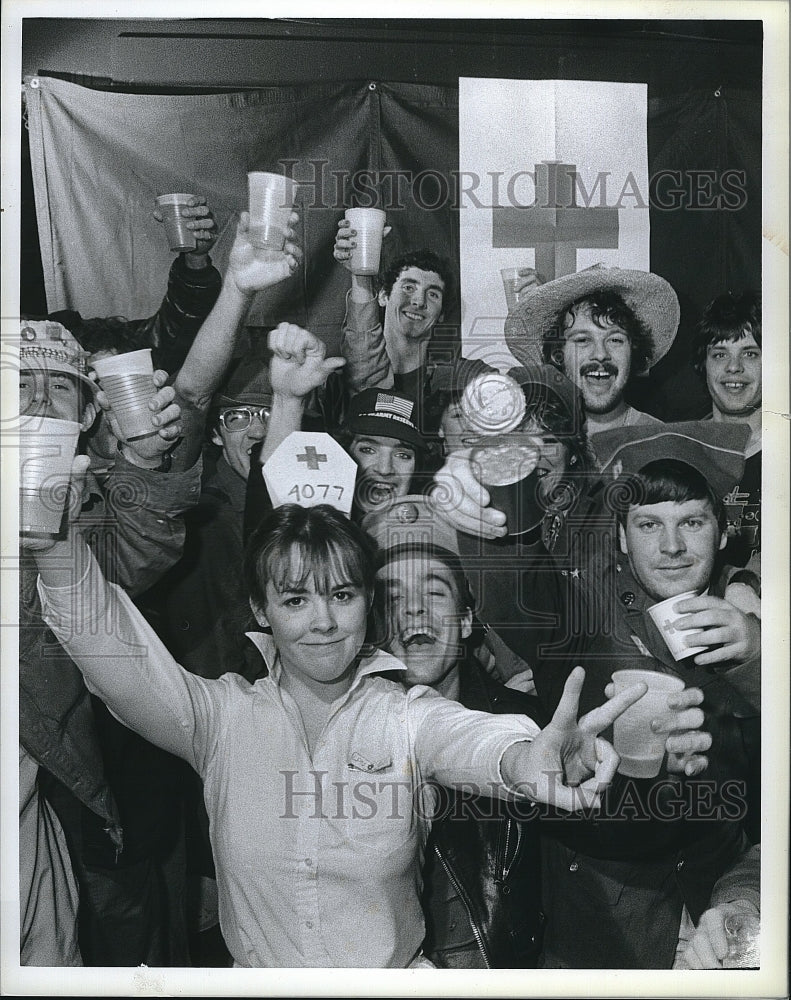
(567, 765)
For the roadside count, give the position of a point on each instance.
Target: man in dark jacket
(481, 896)
(193, 288)
(136, 532)
(653, 854)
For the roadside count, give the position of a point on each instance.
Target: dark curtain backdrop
(99, 158)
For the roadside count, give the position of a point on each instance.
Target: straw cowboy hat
(650, 297)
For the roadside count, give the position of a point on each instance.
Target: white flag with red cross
(553, 175)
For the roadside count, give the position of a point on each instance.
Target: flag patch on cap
(388, 403)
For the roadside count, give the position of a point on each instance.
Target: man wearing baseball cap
(379, 429)
(381, 435)
(60, 750)
(616, 877)
(601, 326)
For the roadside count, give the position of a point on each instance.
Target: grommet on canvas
(34, 83)
(718, 91)
(372, 86)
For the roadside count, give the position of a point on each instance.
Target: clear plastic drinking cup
(665, 619)
(271, 202)
(180, 236)
(128, 381)
(641, 750)
(47, 450)
(369, 224)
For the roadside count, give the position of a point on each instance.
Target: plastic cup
(128, 381)
(271, 202)
(665, 619)
(511, 279)
(170, 206)
(640, 749)
(369, 224)
(743, 932)
(47, 450)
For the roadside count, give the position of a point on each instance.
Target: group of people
(265, 732)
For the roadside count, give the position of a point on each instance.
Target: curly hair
(607, 308)
(425, 260)
(727, 318)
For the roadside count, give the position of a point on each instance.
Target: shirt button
(628, 597)
(308, 862)
(574, 866)
(309, 924)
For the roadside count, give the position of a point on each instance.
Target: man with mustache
(601, 327)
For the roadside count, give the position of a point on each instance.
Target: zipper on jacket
(506, 866)
(463, 897)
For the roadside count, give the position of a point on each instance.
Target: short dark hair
(329, 549)
(552, 416)
(449, 559)
(729, 317)
(666, 479)
(109, 333)
(425, 260)
(607, 307)
(465, 599)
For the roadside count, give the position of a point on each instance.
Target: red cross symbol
(312, 457)
(555, 225)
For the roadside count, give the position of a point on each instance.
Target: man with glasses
(202, 607)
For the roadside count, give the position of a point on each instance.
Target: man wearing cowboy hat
(602, 327)
(648, 861)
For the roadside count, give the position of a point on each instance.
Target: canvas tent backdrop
(99, 158)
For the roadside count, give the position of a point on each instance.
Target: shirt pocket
(380, 810)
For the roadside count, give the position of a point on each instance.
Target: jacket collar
(231, 484)
(379, 662)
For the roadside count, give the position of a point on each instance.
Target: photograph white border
(771, 980)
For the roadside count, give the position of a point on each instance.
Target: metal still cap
(493, 403)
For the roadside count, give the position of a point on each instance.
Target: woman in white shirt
(317, 778)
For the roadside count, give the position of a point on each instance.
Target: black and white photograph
(383, 500)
